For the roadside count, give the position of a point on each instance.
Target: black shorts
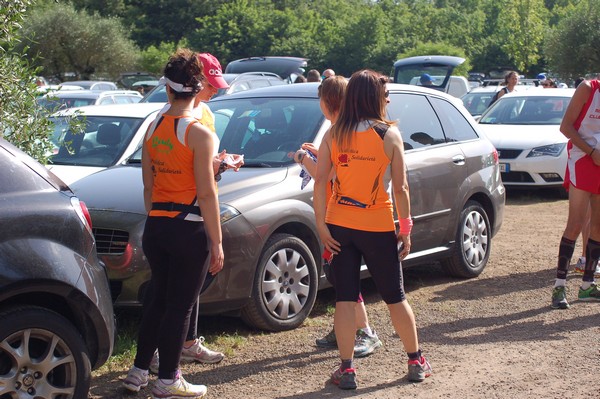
(380, 252)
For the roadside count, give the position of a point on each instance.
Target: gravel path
(490, 337)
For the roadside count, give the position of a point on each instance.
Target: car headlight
(552, 150)
(227, 212)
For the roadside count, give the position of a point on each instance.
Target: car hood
(523, 136)
(71, 173)
(120, 188)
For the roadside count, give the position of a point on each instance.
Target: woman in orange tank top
(182, 229)
(357, 222)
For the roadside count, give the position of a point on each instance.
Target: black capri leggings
(176, 251)
(380, 252)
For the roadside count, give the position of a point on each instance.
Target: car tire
(42, 355)
(285, 285)
(473, 243)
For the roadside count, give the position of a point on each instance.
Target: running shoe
(366, 344)
(344, 379)
(200, 353)
(418, 370)
(592, 294)
(179, 389)
(559, 298)
(135, 380)
(328, 341)
(580, 267)
(154, 363)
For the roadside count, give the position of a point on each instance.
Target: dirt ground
(490, 337)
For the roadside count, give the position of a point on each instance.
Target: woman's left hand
(216, 259)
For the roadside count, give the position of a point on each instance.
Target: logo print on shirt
(343, 160)
(160, 144)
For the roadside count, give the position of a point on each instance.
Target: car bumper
(544, 171)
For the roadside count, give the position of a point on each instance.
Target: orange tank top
(172, 163)
(360, 198)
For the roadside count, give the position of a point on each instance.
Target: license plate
(504, 167)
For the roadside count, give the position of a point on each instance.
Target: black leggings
(176, 251)
(380, 252)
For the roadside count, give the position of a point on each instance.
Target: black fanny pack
(173, 207)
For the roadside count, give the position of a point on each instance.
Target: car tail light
(82, 212)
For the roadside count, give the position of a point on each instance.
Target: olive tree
(67, 40)
(21, 122)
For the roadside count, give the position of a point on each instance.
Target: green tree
(67, 40)
(572, 46)
(153, 59)
(522, 30)
(21, 121)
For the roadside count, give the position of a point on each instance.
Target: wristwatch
(222, 168)
(299, 156)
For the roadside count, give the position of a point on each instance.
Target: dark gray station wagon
(272, 252)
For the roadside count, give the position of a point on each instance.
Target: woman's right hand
(310, 147)
(327, 240)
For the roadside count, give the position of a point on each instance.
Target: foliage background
(346, 35)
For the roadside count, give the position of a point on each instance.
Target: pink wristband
(406, 226)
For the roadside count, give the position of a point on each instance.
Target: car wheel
(285, 285)
(42, 355)
(473, 243)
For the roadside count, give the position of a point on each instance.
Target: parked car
(272, 265)
(80, 98)
(288, 68)
(56, 314)
(438, 67)
(91, 84)
(478, 99)
(110, 135)
(128, 79)
(525, 128)
(237, 82)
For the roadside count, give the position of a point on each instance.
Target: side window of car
(417, 122)
(456, 126)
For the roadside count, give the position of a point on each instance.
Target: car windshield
(100, 142)
(531, 110)
(157, 95)
(265, 130)
(476, 103)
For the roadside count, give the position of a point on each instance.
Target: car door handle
(459, 159)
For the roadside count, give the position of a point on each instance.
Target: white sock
(560, 282)
(586, 284)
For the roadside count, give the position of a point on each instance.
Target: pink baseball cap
(213, 71)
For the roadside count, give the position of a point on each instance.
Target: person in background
(426, 80)
(581, 124)
(511, 80)
(357, 221)
(313, 76)
(331, 95)
(182, 229)
(328, 73)
(579, 80)
(300, 79)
